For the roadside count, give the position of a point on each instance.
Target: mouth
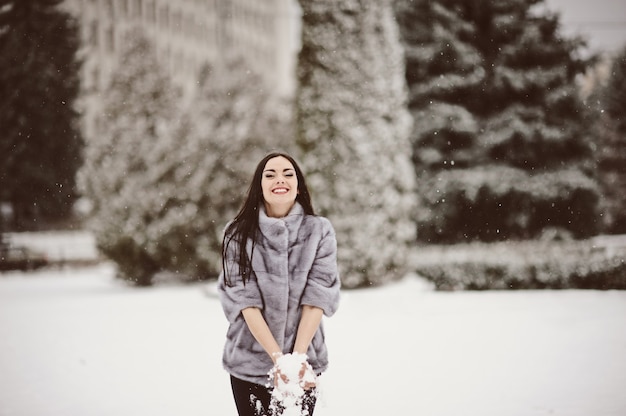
(280, 191)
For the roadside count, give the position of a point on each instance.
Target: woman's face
(280, 186)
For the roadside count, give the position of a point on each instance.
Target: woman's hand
(307, 377)
(276, 373)
(278, 376)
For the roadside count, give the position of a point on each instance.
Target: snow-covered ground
(78, 342)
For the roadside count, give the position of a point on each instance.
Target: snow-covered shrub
(498, 203)
(353, 130)
(166, 174)
(514, 265)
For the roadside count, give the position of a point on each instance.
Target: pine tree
(494, 99)
(352, 134)
(41, 145)
(610, 150)
(614, 94)
(442, 69)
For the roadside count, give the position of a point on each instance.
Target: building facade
(190, 33)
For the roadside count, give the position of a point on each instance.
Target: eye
(289, 174)
(269, 175)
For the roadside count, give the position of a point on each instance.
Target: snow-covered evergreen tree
(442, 69)
(610, 149)
(233, 122)
(165, 176)
(40, 141)
(123, 165)
(353, 130)
(493, 97)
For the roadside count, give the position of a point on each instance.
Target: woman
(279, 277)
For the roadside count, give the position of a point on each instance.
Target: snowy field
(76, 342)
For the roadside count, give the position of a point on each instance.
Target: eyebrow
(274, 170)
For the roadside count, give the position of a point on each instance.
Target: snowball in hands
(289, 390)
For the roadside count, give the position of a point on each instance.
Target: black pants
(254, 399)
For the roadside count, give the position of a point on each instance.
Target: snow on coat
(294, 264)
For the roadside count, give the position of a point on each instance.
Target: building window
(176, 21)
(150, 12)
(135, 9)
(109, 39)
(93, 39)
(108, 9)
(122, 7)
(164, 17)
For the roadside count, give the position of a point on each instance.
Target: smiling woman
(279, 277)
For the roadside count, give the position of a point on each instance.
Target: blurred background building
(188, 34)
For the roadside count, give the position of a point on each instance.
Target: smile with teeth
(280, 190)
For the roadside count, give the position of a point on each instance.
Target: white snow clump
(289, 385)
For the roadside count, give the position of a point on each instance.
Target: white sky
(602, 22)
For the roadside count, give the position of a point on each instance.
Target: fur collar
(273, 228)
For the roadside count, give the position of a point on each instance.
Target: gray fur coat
(294, 264)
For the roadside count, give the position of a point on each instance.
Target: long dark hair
(246, 224)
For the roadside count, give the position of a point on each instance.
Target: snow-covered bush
(166, 174)
(353, 130)
(518, 265)
(498, 203)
